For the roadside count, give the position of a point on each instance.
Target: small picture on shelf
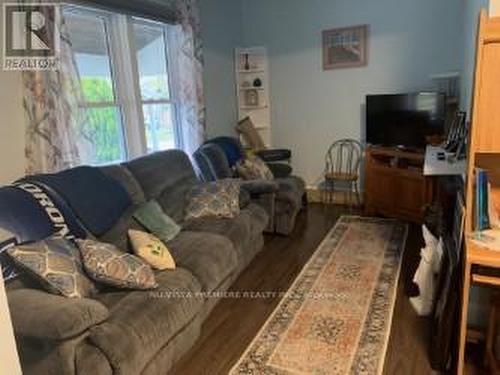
(251, 98)
(257, 82)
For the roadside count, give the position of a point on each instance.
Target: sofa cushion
(50, 317)
(142, 323)
(245, 198)
(212, 163)
(219, 199)
(150, 249)
(258, 187)
(292, 189)
(118, 234)
(56, 262)
(127, 180)
(258, 218)
(231, 146)
(110, 266)
(166, 176)
(152, 217)
(249, 224)
(209, 257)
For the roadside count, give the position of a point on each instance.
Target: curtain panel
(189, 80)
(51, 103)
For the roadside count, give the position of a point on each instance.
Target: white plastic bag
(428, 273)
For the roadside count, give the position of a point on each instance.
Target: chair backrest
(247, 130)
(344, 157)
(231, 146)
(212, 163)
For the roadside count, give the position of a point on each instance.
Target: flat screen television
(404, 120)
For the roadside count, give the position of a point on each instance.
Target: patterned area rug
(336, 317)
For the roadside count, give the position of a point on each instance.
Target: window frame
(169, 58)
(125, 77)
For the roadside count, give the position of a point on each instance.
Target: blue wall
(409, 40)
(222, 33)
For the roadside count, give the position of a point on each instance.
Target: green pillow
(152, 217)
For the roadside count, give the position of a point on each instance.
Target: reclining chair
(235, 151)
(281, 198)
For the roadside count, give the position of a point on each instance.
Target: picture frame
(345, 47)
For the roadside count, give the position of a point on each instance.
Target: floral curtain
(53, 117)
(189, 79)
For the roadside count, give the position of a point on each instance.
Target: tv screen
(404, 120)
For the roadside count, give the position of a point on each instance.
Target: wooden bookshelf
(484, 152)
(250, 64)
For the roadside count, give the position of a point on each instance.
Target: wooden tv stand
(395, 185)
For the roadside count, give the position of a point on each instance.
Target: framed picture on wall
(345, 47)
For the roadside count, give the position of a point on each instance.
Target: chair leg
(332, 193)
(351, 197)
(358, 197)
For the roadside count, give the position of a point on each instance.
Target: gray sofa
(137, 332)
(282, 198)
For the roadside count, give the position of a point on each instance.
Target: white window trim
(128, 88)
(125, 78)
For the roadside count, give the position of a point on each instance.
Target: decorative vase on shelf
(257, 82)
(252, 98)
(247, 62)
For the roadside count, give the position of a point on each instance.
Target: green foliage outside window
(102, 126)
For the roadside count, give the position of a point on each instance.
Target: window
(123, 63)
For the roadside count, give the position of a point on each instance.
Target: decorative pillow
(57, 263)
(219, 199)
(152, 217)
(7, 240)
(108, 265)
(253, 168)
(151, 250)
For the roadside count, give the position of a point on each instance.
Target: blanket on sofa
(96, 199)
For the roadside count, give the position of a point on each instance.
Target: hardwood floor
(234, 323)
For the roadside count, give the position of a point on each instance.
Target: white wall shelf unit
(252, 88)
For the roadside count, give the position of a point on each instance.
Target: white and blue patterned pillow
(219, 199)
(9, 271)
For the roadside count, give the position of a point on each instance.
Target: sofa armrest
(273, 155)
(257, 187)
(42, 315)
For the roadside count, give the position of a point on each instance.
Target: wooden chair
(342, 164)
